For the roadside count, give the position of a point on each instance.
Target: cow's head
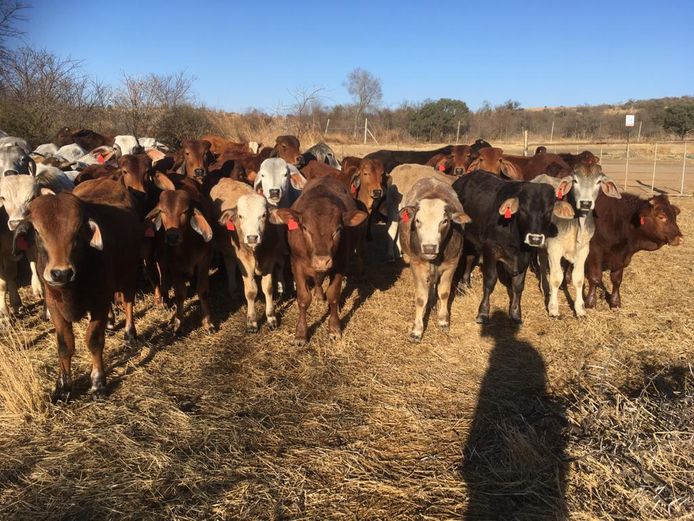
(194, 158)
(461, 158)
(369, 184)
(273, 179)
(288, 148)
(491, 159)
(62, 232)
(135, 171)
(583, 187)
(176, 214)
(16, 192)
(14, 160)
(531, 209)
(248, 219)
(658, 221)
(432, 220)
(321, 227)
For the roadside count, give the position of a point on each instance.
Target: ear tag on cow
(353, 188)
(507, 213)
(292, 225)
(406, 217)
(642, 221)
(560, 193)
(442, 168)
(149, 231)
(230, 225)
(100, 159)
(21, 243)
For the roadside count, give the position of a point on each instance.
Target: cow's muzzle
(677, 241)
(430, 250)
(535, 239)
(252, 240)
(60, 277)
(376, 194)
(322, 263)
(199, 173)
(459, 170)
(585, 205)
(173, 237)
(274, 194)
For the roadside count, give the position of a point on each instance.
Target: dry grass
(586, 419)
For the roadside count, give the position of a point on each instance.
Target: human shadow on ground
(514, 461)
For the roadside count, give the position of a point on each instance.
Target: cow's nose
(375, 194)
(199, 172)
(274, 193)
(252, 239)
(585, 205)
(62, 276)
(12, 224)
(430, 249)
(459, 171)
(173, 237)
(322, 263)
(677, 241)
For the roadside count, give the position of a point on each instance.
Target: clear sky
(253, 54)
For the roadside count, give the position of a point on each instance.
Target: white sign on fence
(630, 120)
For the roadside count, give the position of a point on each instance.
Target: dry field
(580, 419)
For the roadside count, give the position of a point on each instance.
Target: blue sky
(254, 54)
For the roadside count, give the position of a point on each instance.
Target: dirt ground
(580, 419)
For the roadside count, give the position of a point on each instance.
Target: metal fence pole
(601, 145)
(327, 124)
(525, 142)
(551, 133)
(457, 133)
(655, 162)
(366, 127)
(626, 167)
(684, 167)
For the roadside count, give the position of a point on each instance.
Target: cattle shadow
(514, 461)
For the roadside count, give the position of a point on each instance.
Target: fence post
(638, 139)
(601, 145)
(655, 162)
(525, 142)
(684, 167)
(457, 133)
(551, 132)
(626, 167)
(327, 124)
(366, 126)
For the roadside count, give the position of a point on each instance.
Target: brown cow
(288, 148)
(219, 145)
(392, 158)
(193, 159)
(183, 233)
(624, 227)
(87, 139)
(519, 168)
(321, 225)
(350, 164)
(586, 158)
(96, 172)
(88, 249)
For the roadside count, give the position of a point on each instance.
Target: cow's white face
(124, 145)
(273, 180)
(431, 219)
(14, 160)
(16, 192)
(587, 187)
(252, 215)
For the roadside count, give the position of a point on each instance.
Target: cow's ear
(509, 207)
(227, 215)
(564, 186)
(510, 170)
(284, 216)
(200, 225)
(96, 241)
(460, 218)
(563, 210)
(162, 182)
(676, 209)
(354, 217)
(32, 167)
(46, 191)
(23, 237)
(609, 188)
(154, 218)
(298, 181)
(407, 213)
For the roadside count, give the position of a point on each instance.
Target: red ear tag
(230, 225)
(21, 243)
(405, 217)
(292, 225)
(560, 193)
(149, 231)
(100, 159)
(353, 188)
(442, 168)
(642, 221)
(507, 213)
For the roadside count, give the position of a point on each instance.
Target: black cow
(393, 158)
(509, 220)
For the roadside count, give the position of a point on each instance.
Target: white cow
(15, 160)
(8, 141)
(70, 153)
(46, 150)
(279, 182)
(573, 238)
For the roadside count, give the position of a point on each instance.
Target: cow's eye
(662, 217)
(240, 216)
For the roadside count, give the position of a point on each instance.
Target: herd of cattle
(91, 213)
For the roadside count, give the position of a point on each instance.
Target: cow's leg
(95, 343)
(444, 290)
(334, 291)
(203, 290)
(489, 276)
(615, 297)
(577, 276)
(250, 290)
(517, 285)
(4, 312)
(36, 287)
(594, 272)
(267, 284)
(230, 268)
(318, 288)
(65, 338)
(180, 291)
(467, 273)
(279, 276)
(130, 333)
(556, 276)
(360, 248)
(11, 278)
(421, 296)
(303, 298)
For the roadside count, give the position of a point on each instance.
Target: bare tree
(10, 14)
(366, 90)
(306, 102)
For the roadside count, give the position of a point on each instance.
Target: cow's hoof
(110, 325)
(581, 313)
(272, 323)
(615, 307)
(61, 394)
(210, 329)
(299, 342)
(554, 313)
(252, 327)
(444, 326)
(415, 338)
(482, 319)
(98, 393)
(129, 339)
(516, 320)
(335, 336)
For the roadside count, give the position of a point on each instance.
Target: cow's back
(325, 188)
